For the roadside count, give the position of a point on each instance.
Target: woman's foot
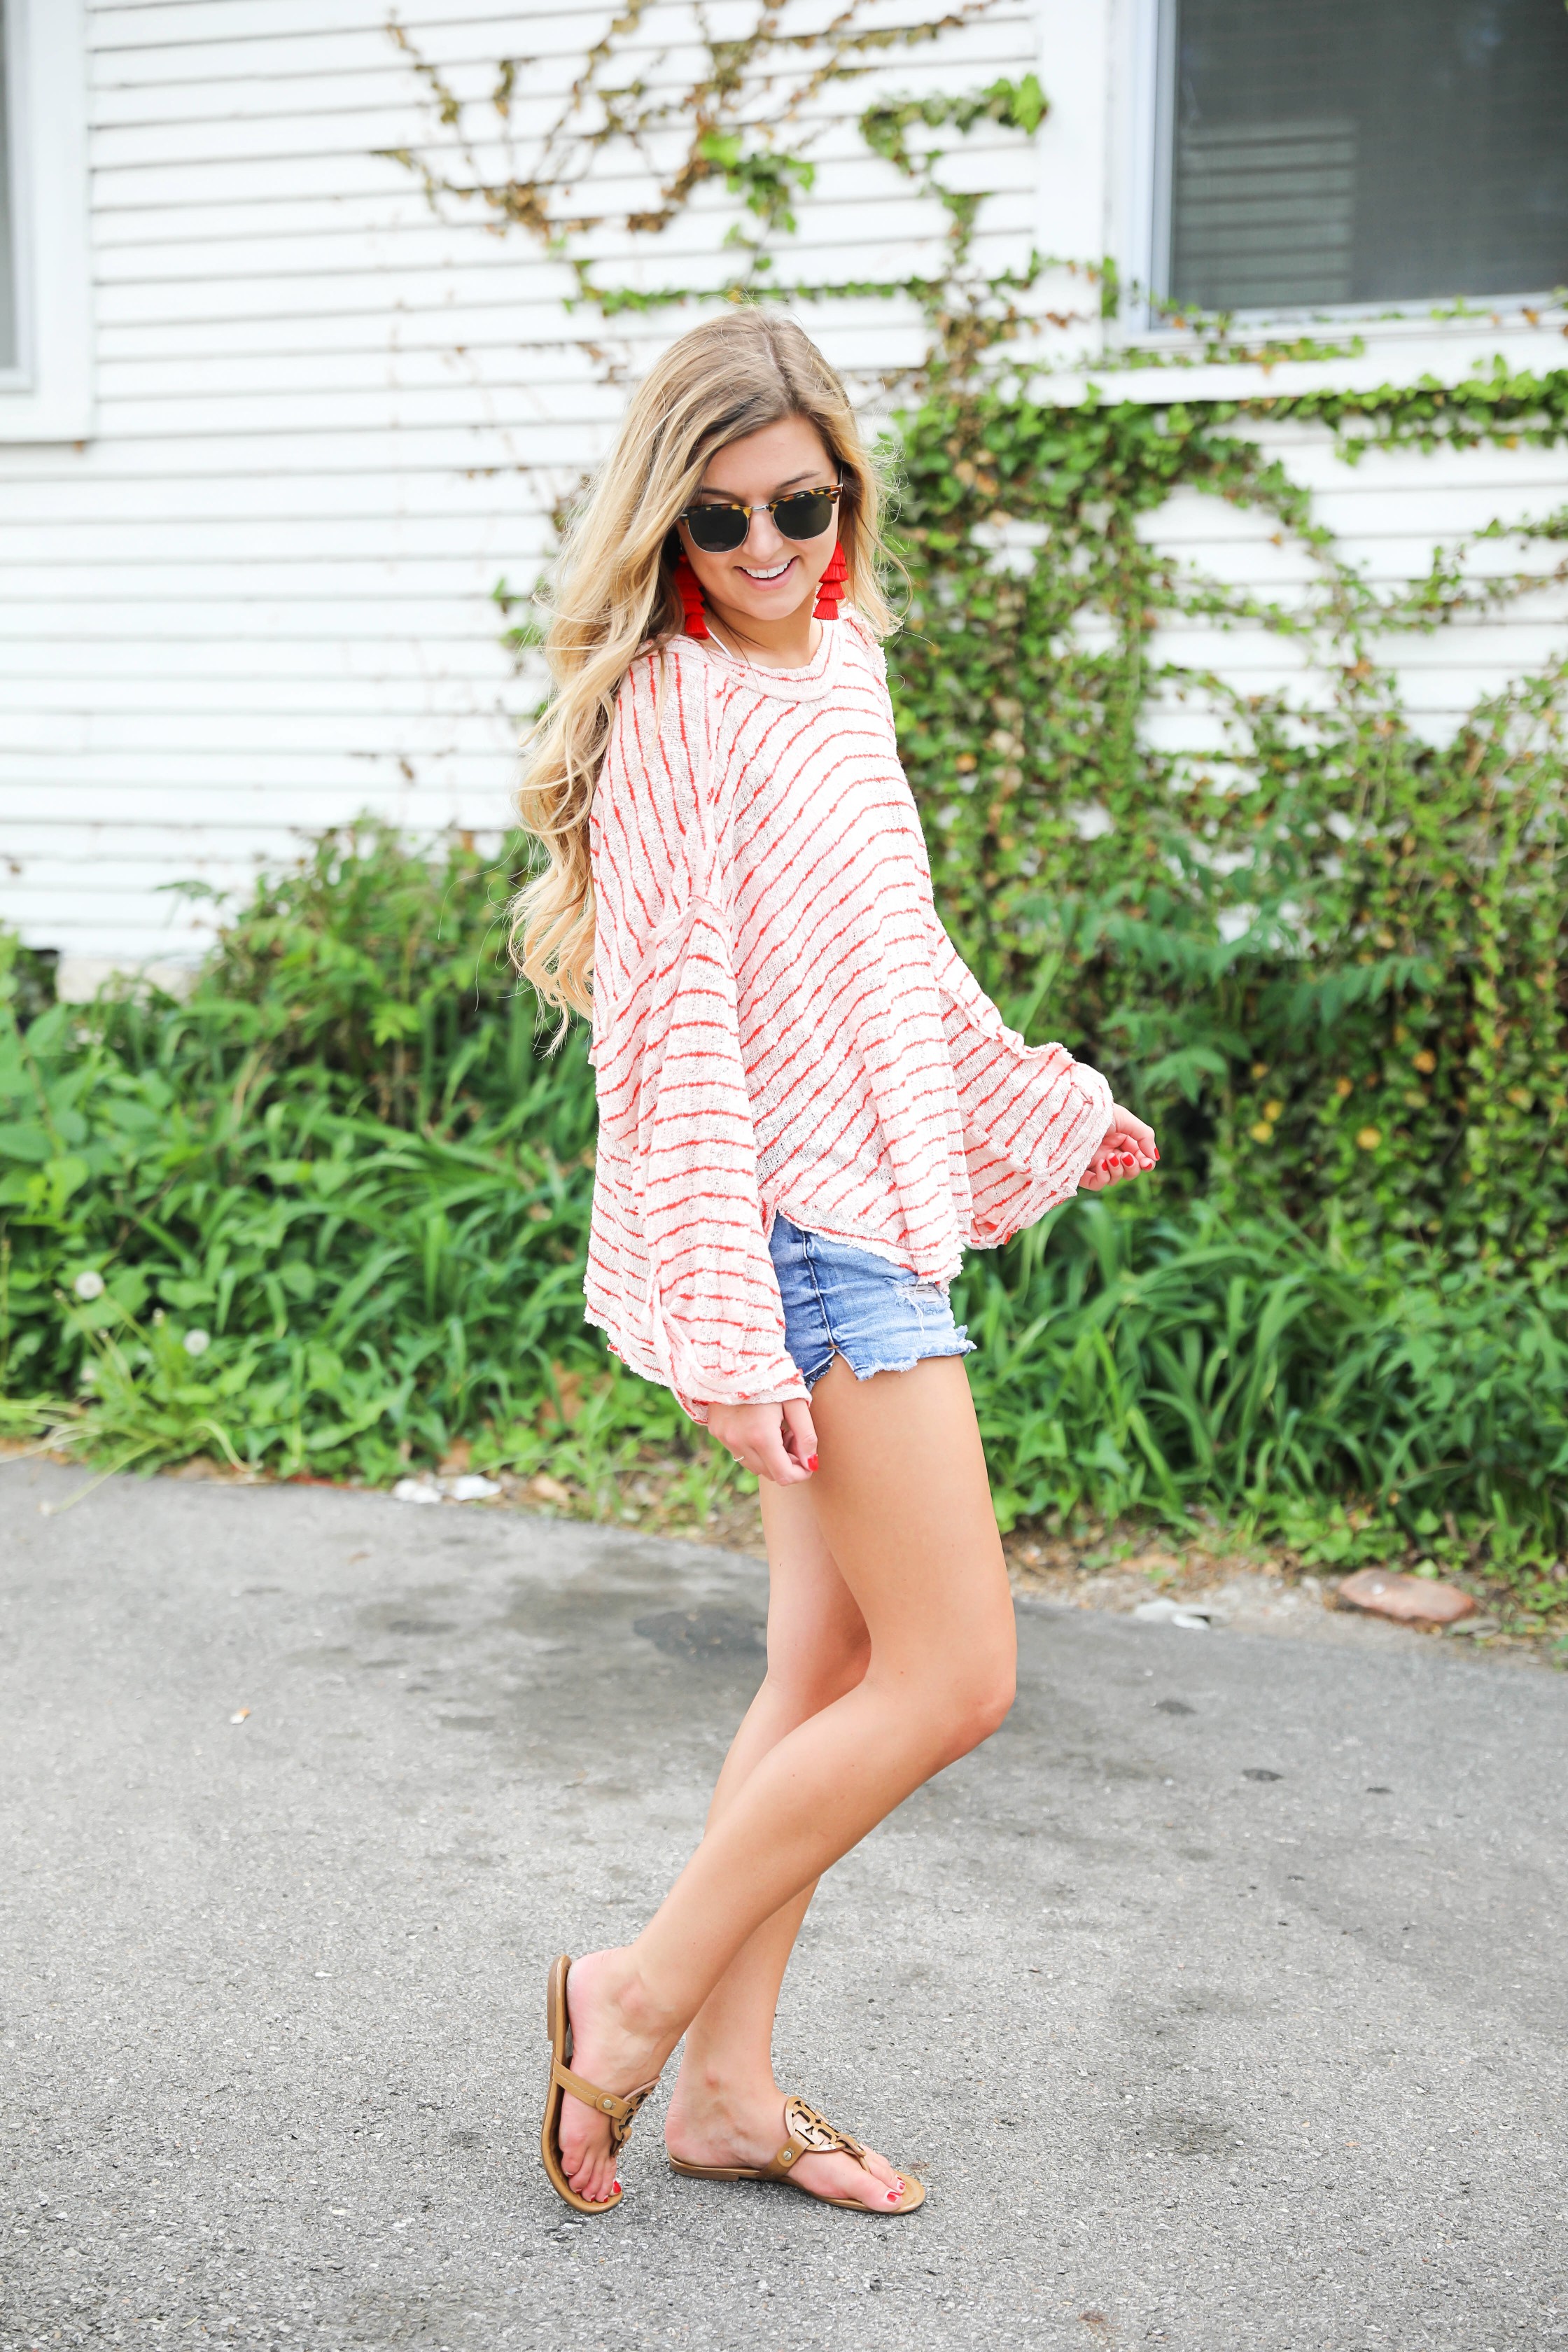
(717, 2126)
(610, 2045)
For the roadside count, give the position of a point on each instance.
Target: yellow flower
(1343, 1087)
(1273, 1109)
(1262, 1132)
(1426, 1062)
(1368, 1138)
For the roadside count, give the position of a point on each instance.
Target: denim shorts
(839, 1300)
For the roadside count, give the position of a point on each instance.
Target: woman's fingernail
(811, 1461)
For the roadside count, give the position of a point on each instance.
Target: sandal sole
(557, 2027)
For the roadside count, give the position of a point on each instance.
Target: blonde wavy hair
(616, 592)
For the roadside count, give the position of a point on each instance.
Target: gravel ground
(1219, 1999)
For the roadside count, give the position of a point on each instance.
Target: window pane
(8, 220)
(1367, 151)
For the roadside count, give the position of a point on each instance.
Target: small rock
(1409, 1600)
(1477, 1625)
(546, 1489)
(1193, 1619)
(472, 1488)
(417, 1490)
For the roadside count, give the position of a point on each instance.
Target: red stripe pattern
(781, 1023)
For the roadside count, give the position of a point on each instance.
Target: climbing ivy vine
(1323, 950)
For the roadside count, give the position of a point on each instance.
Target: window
(1326, 153)
(45, 288)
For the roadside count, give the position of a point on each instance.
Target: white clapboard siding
(1388, 513)
(331, 419)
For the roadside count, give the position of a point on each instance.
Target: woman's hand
(775, 1440)
(1127, 1148)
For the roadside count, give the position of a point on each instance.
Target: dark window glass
(1367, 151)
(8, 221)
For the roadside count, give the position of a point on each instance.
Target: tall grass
(1138, 1361)
(338, 1202)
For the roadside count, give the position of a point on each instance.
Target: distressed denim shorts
(842, 1301)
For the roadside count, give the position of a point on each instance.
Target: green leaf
(25, 1139)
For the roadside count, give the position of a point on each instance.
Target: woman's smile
(767, 579)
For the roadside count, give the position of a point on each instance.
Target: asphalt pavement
(1220, 1999)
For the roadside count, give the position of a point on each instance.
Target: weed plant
(329, 1216)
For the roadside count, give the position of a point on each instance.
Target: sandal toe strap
(622, 2112)
(811, 2135)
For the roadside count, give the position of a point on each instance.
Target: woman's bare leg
(726, 2106)
(903, 1502)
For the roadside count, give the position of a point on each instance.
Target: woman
(807, 1110)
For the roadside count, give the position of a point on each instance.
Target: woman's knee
(969, 1691)
(977, 1704)
(808, 1676)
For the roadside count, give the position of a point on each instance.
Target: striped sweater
(780, 1023)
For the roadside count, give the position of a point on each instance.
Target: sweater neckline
(808, 685)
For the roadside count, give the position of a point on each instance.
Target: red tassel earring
(688, 590)
(830, 587)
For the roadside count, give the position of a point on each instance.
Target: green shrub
(338, 1204)
(1135, 1360)
(1322, 953)
(345, 1159)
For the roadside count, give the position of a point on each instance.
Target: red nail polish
(811, 1461)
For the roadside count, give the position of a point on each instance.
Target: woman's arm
(1037, 1125)
(680, 1276)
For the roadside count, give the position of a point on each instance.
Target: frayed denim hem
(842, 1301)
(965, 1346)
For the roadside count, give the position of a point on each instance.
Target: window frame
(48, 394)
(1142, 245)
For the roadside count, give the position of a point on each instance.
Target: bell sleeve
(1033, 1119)
(679, 1278)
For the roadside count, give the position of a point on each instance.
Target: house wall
(258, 599)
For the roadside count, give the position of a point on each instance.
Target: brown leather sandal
(621, 2111)
(809, 2134)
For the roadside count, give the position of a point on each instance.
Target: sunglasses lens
(806, 516)
(717, 530)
